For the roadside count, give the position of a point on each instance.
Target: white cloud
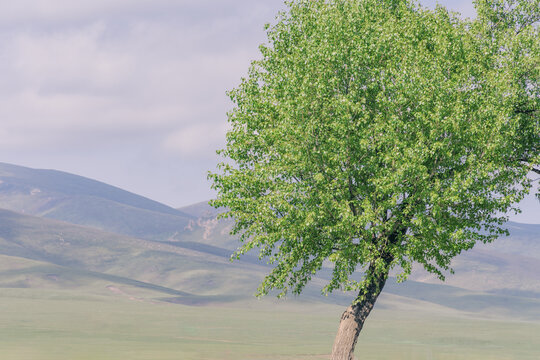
(58, 11)
(197, 139)
(74, 72)
(74, 60)
(127, 91)
(54, 13)
(152, 76)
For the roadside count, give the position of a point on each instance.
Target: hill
(117, 243)
(510, 265)
(73, 251)
(79, 200)
(42, 253)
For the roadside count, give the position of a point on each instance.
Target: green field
(54, 324)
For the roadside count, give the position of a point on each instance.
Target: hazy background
(132, 93)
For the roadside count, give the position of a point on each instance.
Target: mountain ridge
(83, 201)
(67, 183)
(97, 240)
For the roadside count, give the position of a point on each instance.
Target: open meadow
(63, 325)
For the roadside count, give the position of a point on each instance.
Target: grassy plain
(37, 324)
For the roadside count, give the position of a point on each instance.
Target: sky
(132, 92)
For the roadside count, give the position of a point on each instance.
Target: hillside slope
(86, 252)
(48, 254)
(510, 265)
(63, 196)
(191, 259)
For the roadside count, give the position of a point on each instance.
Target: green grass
(404, 336)
(52, 324)
(55, 325)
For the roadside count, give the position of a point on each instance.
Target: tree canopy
(373, 129)
(373, 134)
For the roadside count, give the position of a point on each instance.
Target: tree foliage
(373, 134)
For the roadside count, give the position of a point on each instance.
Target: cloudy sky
(131, 92)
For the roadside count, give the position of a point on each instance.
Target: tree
(373, 134)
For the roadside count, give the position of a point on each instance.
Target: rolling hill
(38, 253)
(78, 200)
(510, 265)
(87, 232)
(71, 251)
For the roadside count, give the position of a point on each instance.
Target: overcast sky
(131, 92)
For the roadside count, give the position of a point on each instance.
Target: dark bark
(354, 317)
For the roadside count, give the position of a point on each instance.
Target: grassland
(117, 323)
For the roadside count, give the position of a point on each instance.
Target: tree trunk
(353, 318)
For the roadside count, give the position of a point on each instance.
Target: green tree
(373, 134)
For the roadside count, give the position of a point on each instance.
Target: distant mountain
(509, 265)
(79, 200)
(115, 240)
